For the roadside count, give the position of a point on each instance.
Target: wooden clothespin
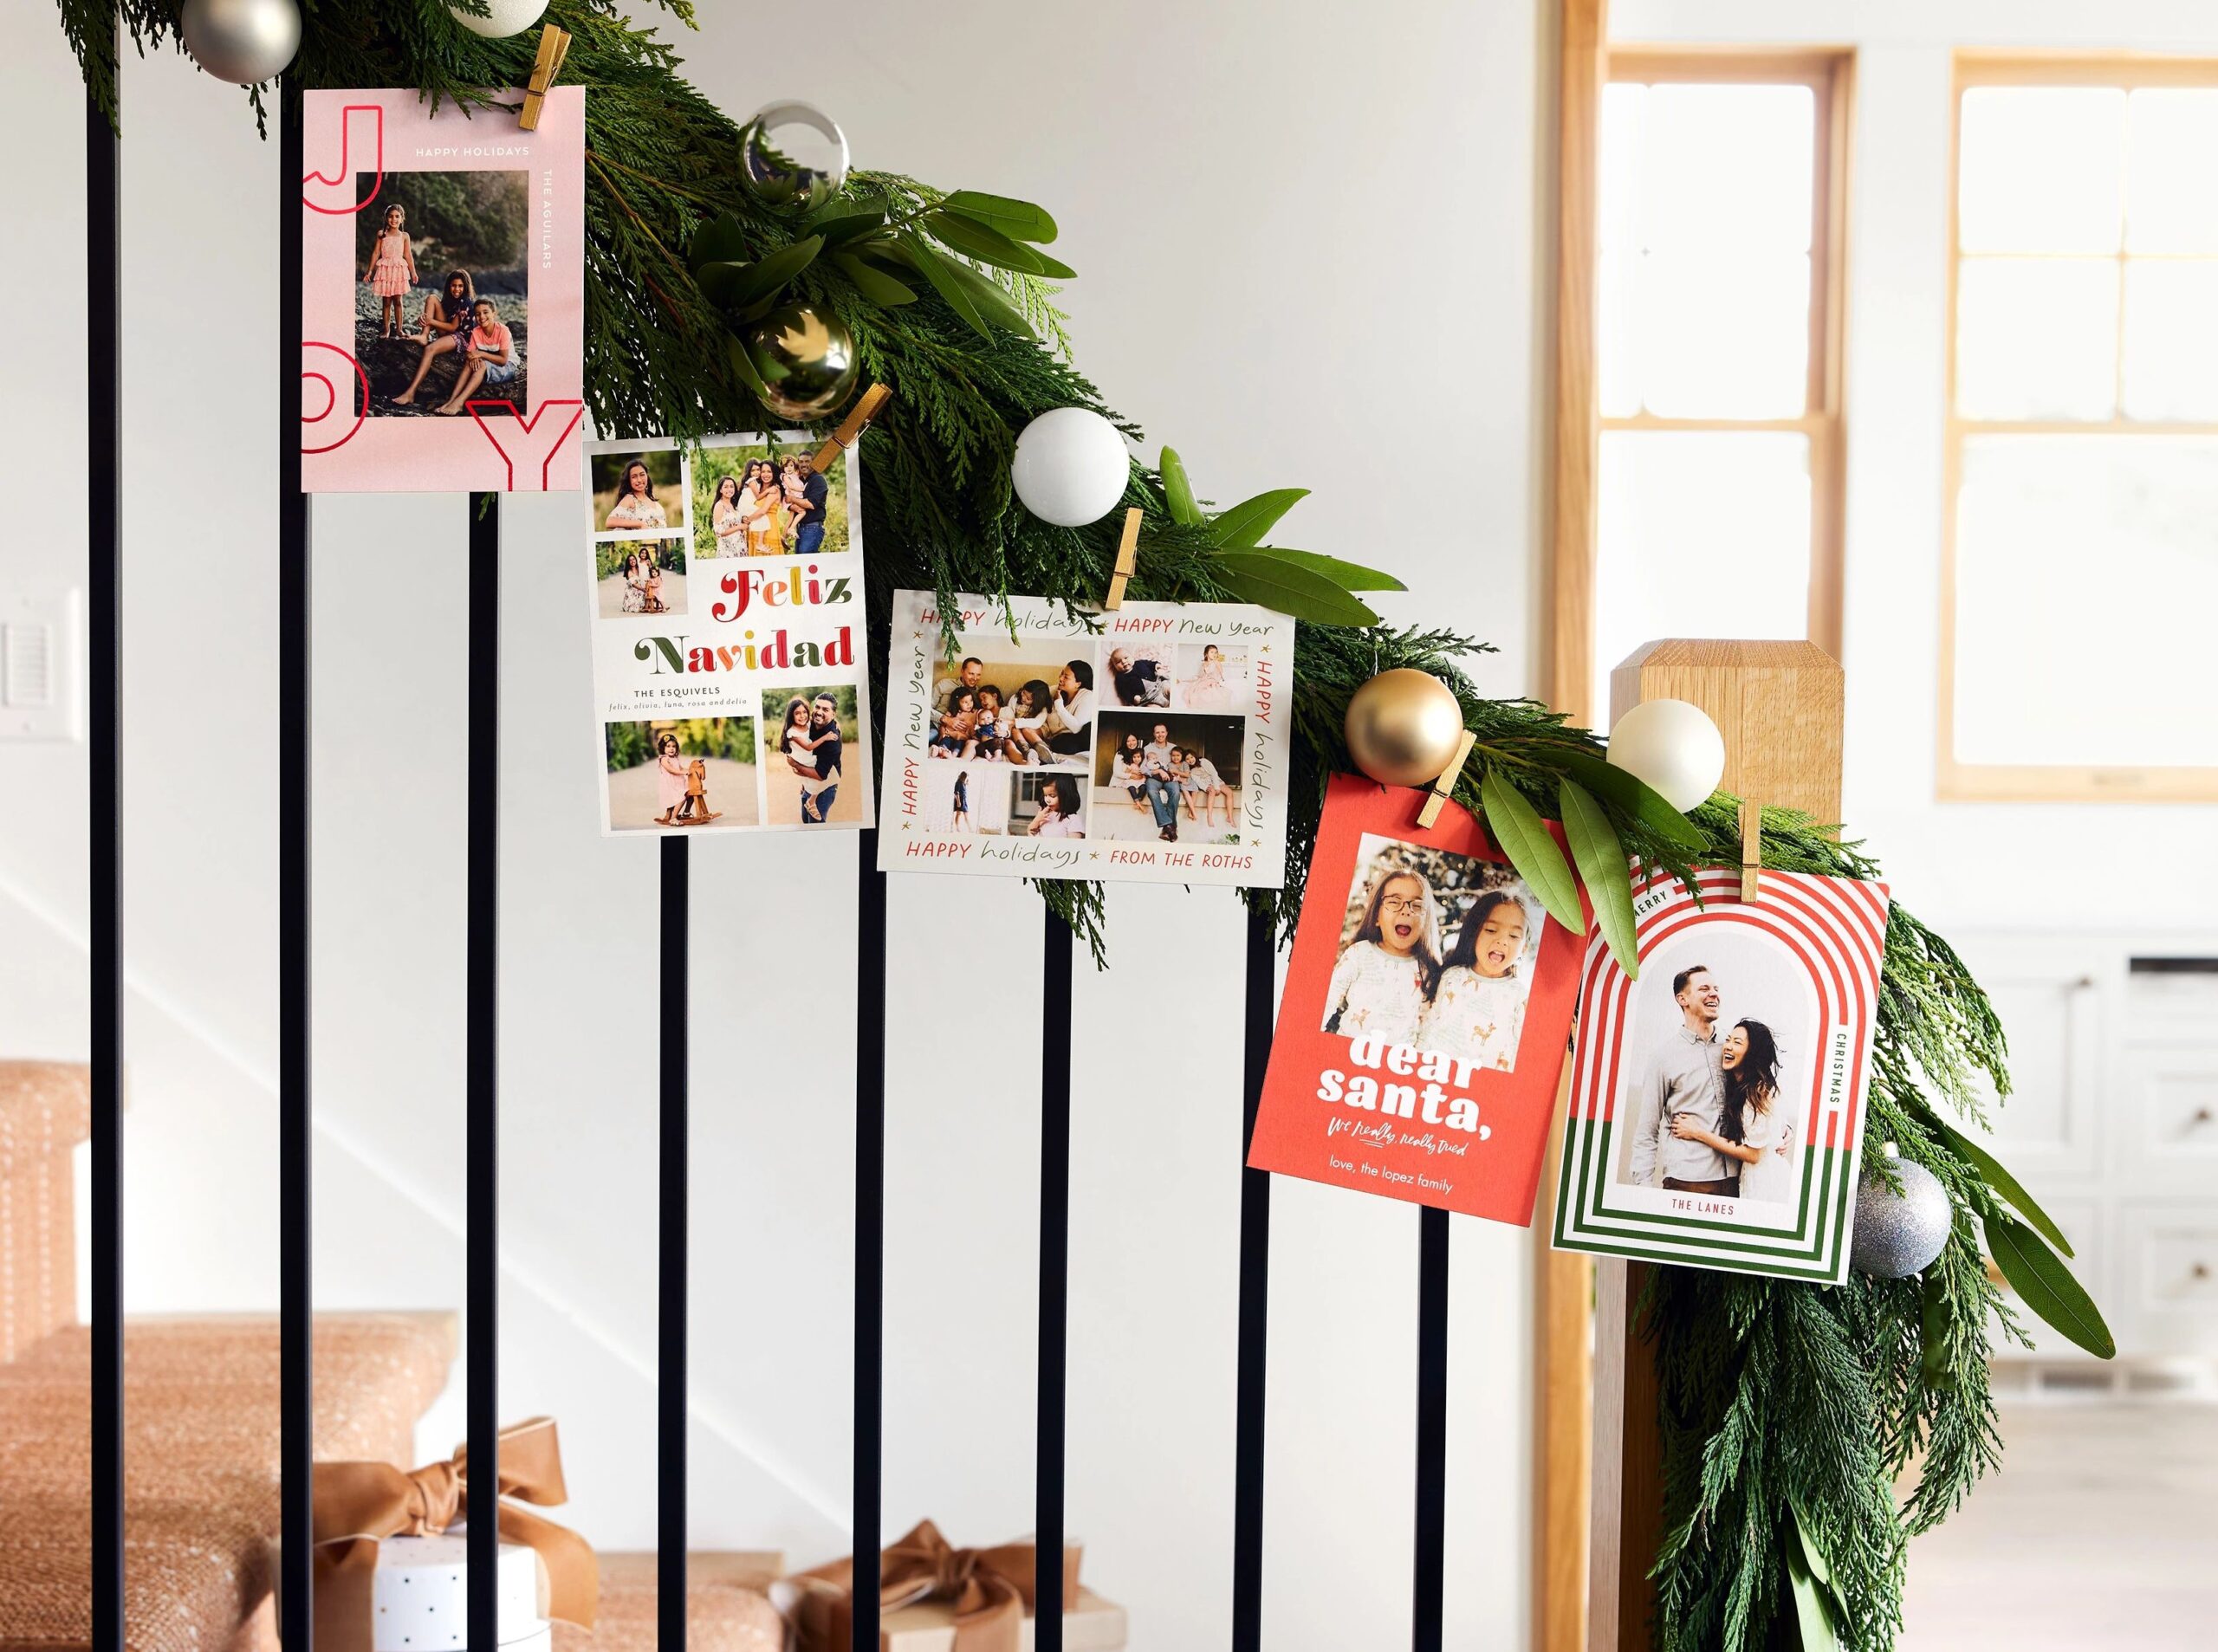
(1446, 783)
(1128, 553)
(866, 408)
(553, 46)
(1751, 848)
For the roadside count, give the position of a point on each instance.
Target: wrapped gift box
(923, 1568)
(421, 1596)
(1093, 1625)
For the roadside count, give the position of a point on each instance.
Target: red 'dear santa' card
(1425, 1016)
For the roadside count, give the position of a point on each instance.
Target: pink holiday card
(442, 302)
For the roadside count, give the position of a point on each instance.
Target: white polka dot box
(421, 1596)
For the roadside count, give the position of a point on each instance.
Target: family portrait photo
(1211, 678)
(686, 771)
(808, 734)
(1437, 952)
(440, 291)
(1029, 704)
(636, 494)
(1175, 778)
(638, 577)
(966, 798)
(1719, 1061)
(1043, 805)
(762, 500)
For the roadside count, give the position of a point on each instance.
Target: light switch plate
(42, 650)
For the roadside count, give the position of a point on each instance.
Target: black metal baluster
(1054, 1279)
(670, 1378)
(870, 1235)
(104, 581)
(1426, 1611)
(481, 1065)
(1255, 1298)
(296, 1118)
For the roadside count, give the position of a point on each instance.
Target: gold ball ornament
(1403, 728)
(806, 356)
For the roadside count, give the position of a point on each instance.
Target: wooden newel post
(1779, 706)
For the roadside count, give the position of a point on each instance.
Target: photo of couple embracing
(1705, 1106)
(1437, 953)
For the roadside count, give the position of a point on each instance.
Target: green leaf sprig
(1304, 584)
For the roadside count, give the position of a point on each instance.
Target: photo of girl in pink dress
(391, 269)
(680, 774)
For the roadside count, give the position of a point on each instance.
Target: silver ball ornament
(805, 355)
(1403, 728)
(1899, 1235)
(793, 155)
(244, 42)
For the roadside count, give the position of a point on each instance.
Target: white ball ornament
(502, 19)
(244, 42)
(1674, 747)
(1071, 467)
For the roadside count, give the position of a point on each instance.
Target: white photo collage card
(1147, 744)
(731, 688)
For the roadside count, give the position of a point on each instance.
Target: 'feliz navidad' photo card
(726, 595)
(442, 301)
(1147, 744)
(1421, 1034)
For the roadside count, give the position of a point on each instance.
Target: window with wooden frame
(1719, 224)
(2080, 557)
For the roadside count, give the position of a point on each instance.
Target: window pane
(1727, 167)
(2171, 133)
(1616, 335)
(2086, 572)
(2037, 338)
(2041, 169)
(1700, 533)
(2171, 339)
(1724, 338)
(1618, 167)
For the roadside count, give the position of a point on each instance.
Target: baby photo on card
(442, 306)
(1427, 1008)
(1717, 1101)
(729, 692)
(1145, 744)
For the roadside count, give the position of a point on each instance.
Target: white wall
(1304, 245)
(1897, 315)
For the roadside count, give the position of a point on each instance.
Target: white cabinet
(2050, 995)
(2113, 1120)
(2169, 1280)
(2171, 1094)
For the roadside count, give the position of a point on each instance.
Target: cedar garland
(1788, 1408)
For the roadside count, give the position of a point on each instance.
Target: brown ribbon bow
(357, 1505)
(989, 1590)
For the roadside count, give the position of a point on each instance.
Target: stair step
(201, 1451)
(46, 1109)
(725, 1608)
